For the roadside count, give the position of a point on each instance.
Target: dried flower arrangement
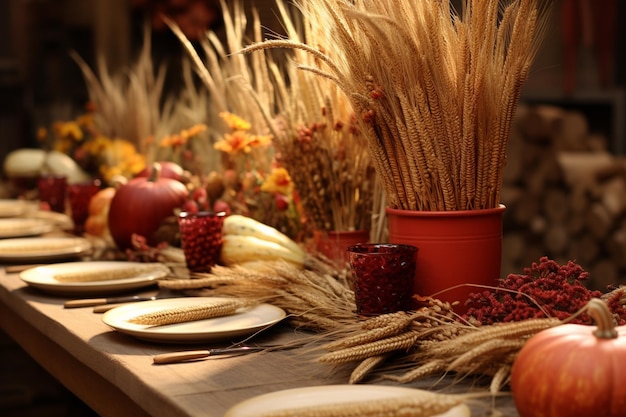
(435, 90)
(98, 155)
(319, 142)
(238, 87)
(311, 122)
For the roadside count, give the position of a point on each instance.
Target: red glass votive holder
(79, 196)
(383, 275)
(52, 190)
(201, 239)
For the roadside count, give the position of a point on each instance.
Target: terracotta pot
(334, 244)
(455, 248)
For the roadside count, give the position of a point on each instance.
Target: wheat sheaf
(435, 89)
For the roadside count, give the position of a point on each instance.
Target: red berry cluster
(141, 251)
(546, 289)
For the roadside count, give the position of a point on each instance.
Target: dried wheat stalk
(42, 245)
(486, 350)
(313, 298)
(366, 366)
(435, 94)
(184, 314)
(440, 344)
(112, 274)
(428, 341)
(418, 404)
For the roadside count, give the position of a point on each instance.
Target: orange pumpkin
(141, 205)
(97, 223)
(573, 370)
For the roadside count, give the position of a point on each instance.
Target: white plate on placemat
(21, 227)
(42, 249)
(13, 208)
(327, 395)
(245, 322)
(43, 277)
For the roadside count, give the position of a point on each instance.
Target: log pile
(565, 195)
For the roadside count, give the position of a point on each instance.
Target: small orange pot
(333, 244)
(455, 248)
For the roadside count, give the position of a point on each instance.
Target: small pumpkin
(141, 205)
(97, 224)
(169, 169)
(573, 370)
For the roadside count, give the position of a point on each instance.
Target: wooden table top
(114, 373)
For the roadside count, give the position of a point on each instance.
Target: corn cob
(189, 313)
(422, 404)
(118, 273)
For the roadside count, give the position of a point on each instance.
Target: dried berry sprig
(546, 289)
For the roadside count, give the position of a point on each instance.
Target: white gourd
(30, 163)
(247, 240)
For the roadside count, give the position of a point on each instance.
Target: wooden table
(114, 373)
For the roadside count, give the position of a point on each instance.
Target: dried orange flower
(85, 120)
(42, 134)
(68, 130)
(234, 122)
(193, 130)
(279, 181)
(259, 140)
(179, 139)
(240, 141)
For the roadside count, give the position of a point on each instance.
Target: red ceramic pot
(334, 244)
(458, 250)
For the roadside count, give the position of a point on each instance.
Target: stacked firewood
(565, 195)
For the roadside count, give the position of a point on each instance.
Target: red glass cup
(52, 190)
(79, 195)
(383, 275)
(201, 239)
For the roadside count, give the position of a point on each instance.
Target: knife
(176, 357)
(90, 302)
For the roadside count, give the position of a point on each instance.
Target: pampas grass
(134, 106)
(435, 90)
(127, 104)
(235, 83)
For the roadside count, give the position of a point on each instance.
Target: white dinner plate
(42, 249)
(328, 395)
(60, 220)
(43, 277)
(21, 227)
(244, 322)
(13, 208)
